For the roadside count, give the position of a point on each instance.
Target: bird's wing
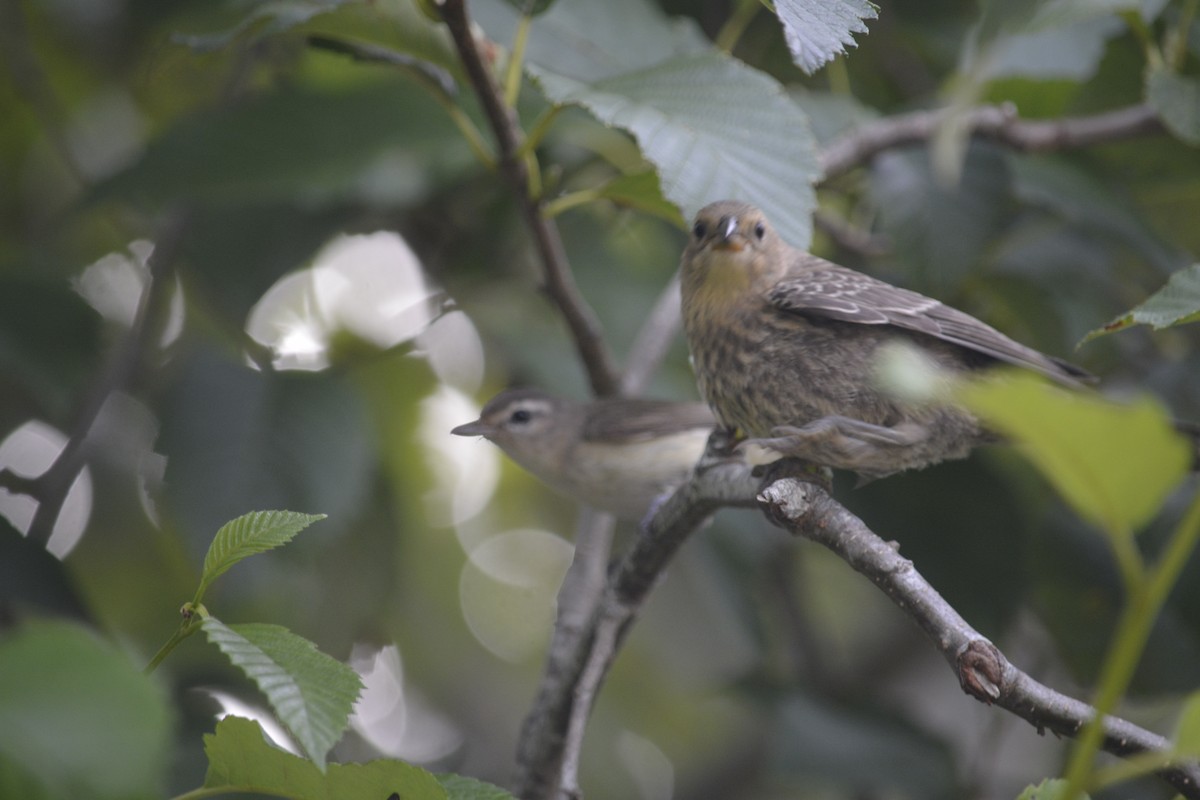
(833, 292)
(630, 419)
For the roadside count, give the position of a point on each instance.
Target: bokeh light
(508, 588)
(29, 451)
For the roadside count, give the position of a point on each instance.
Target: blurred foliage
(243, 760)
(62, 691)
(748, 675)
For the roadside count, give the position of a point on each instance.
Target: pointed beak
(476, 428)
(727, 234)
(728, 226)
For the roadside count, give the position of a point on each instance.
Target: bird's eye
(520, 416)
(699, 229)
(760, 230)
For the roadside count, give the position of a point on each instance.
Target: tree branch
(807, 510)
(559, 282)
(548, 762)
(997, 123)
(653, 340)
(438, 79)
(51, 488)
(578, 598)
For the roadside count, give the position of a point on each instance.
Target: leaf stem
(839, 76)
(1176, 40)
(539, 129)
(1129, 561)
(1137, 620)
(743, 14)
(552, 208)
(1140, 30)
(516, 62)
(192, 615)
(469, 132)
(1132, 767)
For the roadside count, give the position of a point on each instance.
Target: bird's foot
(722, 447)
(789, 467)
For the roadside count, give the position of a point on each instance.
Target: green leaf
(643, 192)
(1177, 303)
(831, 114)
(1060, 39)
(459, 787)
(715, 129)
(531, 8)
(1114, 463)
(241, 759)
(586, 40)
(1070, 52)
(311, 693)
(264, 19)
(1177, 101)
(247, 535)
(78, 718)
(16, 780)
(1187, 729)
(818, 30)
(1049, 789)
(373, 140)
(398, 25)
(1062, 13)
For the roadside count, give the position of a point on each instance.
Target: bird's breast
(760, 367)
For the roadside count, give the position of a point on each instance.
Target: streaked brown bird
(617, 455)
(788, 350)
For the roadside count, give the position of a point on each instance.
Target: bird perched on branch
(617, 455)
(790, 349)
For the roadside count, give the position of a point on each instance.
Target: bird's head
(534, 428)
(733, 249)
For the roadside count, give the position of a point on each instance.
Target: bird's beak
(476, 428)
(727, 234)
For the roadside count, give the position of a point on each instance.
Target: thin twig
(559, 282)
(566, 710)
(578, 598)
(439, 82)
(807, 510)
(997, 123)
(431, 74)
(653, 340)
(55, 483)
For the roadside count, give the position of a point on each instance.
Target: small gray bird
(788, 350)
(617, 455)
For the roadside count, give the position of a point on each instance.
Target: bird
(788, 351)
(619, 455)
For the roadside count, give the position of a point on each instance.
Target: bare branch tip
(981, 670)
